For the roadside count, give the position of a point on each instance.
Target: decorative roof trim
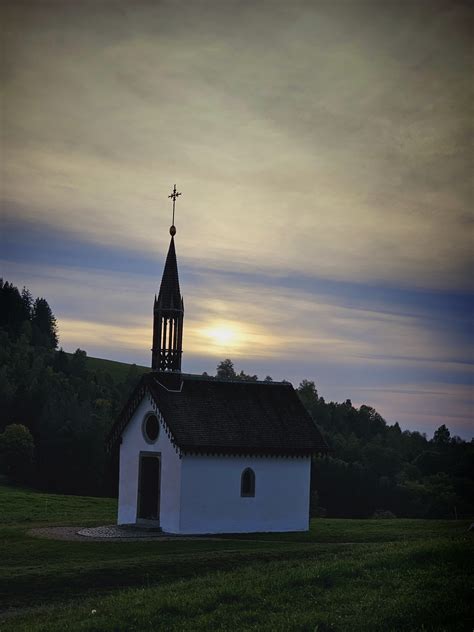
(136, 398)
(248, 452)
(166, 428)
(143, 388)
(126, 414)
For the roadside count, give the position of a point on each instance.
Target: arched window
(247, 482)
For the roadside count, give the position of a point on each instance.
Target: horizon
(260, 379)
(322, 152)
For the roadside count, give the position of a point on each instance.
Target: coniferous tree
(27, 300)
(14, 309)
(44, 326)
(442, 436)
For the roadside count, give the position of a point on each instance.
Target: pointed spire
(170, 294)
(168, 312)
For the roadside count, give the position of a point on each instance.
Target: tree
(308, 394)
(27, 300)
(225, 370)
(381, 460)
(245, 377)
(17, 452)
(61, 362)
(45, 329)
(78, 364)
(442, 436)
(370, 423)
(14, 309)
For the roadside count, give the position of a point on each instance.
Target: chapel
(202, 455)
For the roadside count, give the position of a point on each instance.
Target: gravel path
(111, 533)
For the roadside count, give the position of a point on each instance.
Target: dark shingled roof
(170, 295)
(211, 416)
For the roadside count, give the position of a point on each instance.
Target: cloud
(270, 322)
(425, 407)
(323, 154)
(92, 334)
(311, 138)
(351, 351)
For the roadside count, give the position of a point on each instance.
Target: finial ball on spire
(173, 230)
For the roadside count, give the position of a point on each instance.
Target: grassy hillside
(342, 575)
(117, 370)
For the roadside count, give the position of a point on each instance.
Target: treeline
(377, 469)
(374, 468)
(55, 415)
(19, 314)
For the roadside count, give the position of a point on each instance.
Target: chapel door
(149, 487)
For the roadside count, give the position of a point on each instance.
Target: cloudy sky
(323, 150)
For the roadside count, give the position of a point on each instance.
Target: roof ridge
(232, 380)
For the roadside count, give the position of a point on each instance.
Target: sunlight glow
(223, 335)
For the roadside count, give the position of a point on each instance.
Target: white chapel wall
(211, 500)
(133, 442)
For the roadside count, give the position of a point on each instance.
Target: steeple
(168, 313)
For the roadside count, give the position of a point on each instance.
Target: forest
(55, 413)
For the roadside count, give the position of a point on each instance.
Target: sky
(324, 154)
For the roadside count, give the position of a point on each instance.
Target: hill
(117, 370)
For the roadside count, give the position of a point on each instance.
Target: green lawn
(342, 575)
(25, 507)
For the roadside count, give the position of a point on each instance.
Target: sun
(230, 337)
(222, 335)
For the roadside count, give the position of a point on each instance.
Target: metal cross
(173, 196)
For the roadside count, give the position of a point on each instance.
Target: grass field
(342, 575)
(118, 371)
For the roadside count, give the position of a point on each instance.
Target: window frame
(248, 471)
(147, 438)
